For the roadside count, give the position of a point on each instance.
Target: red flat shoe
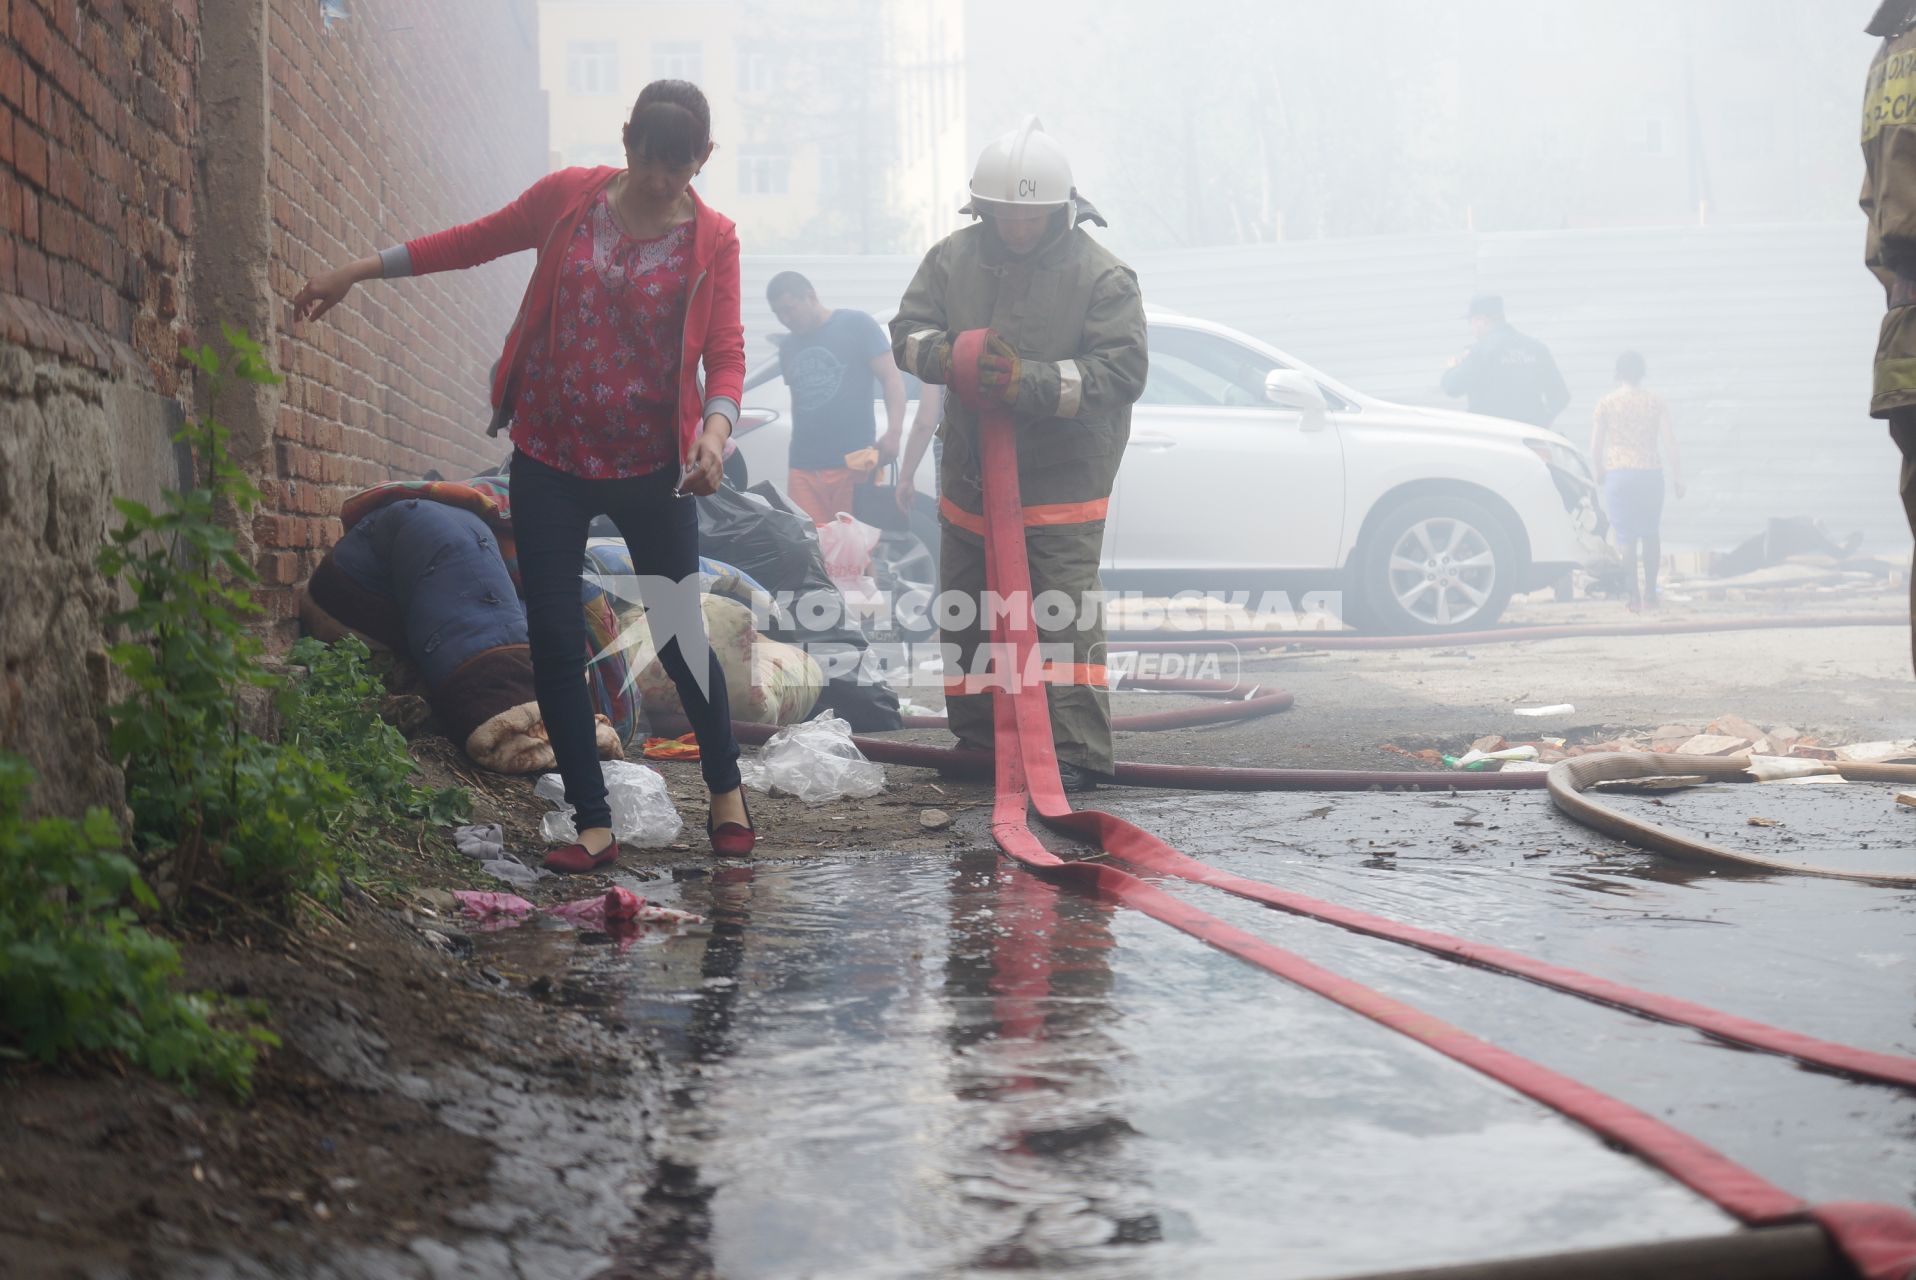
(732, 839)
(576, 860)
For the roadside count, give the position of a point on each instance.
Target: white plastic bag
(816, 761)
(847, 546)
(642, 811)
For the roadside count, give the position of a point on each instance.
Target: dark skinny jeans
(551, 512)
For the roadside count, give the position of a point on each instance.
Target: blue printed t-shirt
(833, 388)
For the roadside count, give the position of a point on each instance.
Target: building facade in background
(1298, 119)
(840, 123)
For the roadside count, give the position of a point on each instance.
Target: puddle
(903, 1065)
(1824, 957)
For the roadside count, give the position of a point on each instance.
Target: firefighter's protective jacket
(1889, 199)
(1075, 316)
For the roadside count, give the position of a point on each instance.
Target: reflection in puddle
(892, 1066)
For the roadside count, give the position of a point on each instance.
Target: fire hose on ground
(1793, 1238)
(1878, 1240)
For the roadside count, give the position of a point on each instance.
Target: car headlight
(1561, 457)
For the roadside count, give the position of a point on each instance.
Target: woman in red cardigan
(635, 287)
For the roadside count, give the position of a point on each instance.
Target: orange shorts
(822, 494)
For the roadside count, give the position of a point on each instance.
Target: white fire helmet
(1023, 168)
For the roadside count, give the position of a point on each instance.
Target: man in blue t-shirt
(834, 362)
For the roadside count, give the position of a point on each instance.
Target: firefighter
(1067, 358)
(1889, 199)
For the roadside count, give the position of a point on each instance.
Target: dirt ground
(429, 1115)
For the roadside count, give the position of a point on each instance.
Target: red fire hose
(1879, 1240)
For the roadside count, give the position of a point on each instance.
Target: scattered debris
(1554, 709)
(1878, 752)
(1781, 753)
(643, 814)
(1476, 757)
(816, 761)
(683, 747)
(934, 819)
(1765, 822)
(480, 841)
(616, 905)
(1714, 744)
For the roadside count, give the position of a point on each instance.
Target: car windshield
(1194, 368)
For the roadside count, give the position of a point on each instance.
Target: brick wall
(166, 165)
(97, 120)
(405, 117)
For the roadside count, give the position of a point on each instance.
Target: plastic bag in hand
(643, 814)
(815, 761)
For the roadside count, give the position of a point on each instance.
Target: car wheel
(906, 561)
(1434, 565)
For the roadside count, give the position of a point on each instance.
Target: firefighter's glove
(998, 370)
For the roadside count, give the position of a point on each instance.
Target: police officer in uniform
(1068, 360)
(1504, 373)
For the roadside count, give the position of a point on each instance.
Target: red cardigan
(544, 218)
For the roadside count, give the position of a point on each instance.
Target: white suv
(1247, 469)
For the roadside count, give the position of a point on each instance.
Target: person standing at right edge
(1066, 357)
(1889, 200)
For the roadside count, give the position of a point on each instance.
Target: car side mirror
(1289, 389)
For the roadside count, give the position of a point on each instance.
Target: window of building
(755, 75)
(764, 171)
(592, 67)
(834, 169)
(1656, 137)
(678, 60)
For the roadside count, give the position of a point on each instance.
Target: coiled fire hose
(1878, 1240)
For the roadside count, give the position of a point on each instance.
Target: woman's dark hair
(671, 123)
(1630, 368)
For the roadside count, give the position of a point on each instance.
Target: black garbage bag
(758, 533)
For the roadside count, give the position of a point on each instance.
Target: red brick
(56, 230)
(279, 568)
(179, 210)
(29, 30)
(34, 285)
(65, 65)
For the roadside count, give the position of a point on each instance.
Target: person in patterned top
(1630, 441)
(635, 290)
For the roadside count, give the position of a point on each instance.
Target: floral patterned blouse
(1631, 420)
(604, 405)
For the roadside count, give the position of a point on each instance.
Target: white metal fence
(1760, 338)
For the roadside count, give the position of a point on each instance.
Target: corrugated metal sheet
(1760, 338)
